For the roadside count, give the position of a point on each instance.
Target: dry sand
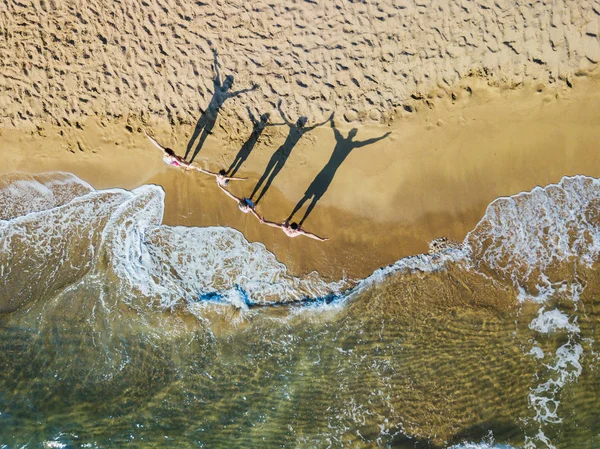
(67, 60)
(482, 99)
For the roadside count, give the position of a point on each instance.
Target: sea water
(118, 330)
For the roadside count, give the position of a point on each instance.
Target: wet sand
(432, 177)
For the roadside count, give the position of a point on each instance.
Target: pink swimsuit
(171, 161)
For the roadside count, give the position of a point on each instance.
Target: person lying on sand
(177, 161)
(292, 229)
(221, 177)
(244, 204)
(169, 155)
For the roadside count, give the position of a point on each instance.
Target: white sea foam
(482, 445)
(193, 264)
(537, 352)
(566, 368)
(525, 236)
(49, 249)
(536, 240)
(121, 231)
(53, 220)
(549, 321)
(21, 194)
(423, 263)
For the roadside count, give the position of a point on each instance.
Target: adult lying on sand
(177, 161)
(292, 229)
(244, 204)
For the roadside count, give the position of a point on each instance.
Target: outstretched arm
(370, 141)
(313, 236)
(283, 116)
(322, 123)
(271, 223)
(193, 167)
(156, 144)
(216, 175)
(229, 194)
(258, 217)
(231, 178)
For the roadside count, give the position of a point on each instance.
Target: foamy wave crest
(481, 445)
(45, 251)
(566, 368)
(423, 263)
(21, 194)
(63, 236)
(527, 237)
(216, 264)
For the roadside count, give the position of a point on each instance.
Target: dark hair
(294, 226)
(244, 203)
(222, 172)
(170, 152)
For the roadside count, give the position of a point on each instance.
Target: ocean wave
(50, 216)
(22, 194)
(80, 253)
(63, 235)
(527, 238)
(537, 241)
(482, 445)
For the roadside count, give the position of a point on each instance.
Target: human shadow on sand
(343, 147)
(222, 92)
(277, 161)
(258, 126)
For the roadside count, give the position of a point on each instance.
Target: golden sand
(63, 61)
(433, 176)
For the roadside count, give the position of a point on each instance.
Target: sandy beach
(481, 99)
(384, 126)
(432, 177)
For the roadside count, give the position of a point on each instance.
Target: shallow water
(116, 329)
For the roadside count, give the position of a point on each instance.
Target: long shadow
(258, 126)
(277, 161)
(222, 92)
(343, 147)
